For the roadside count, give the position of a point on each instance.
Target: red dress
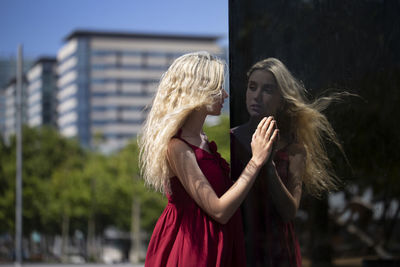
(270, 242)
(185, 235)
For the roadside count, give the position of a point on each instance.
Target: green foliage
(152, 204)
(44, 151)
(60, 179)
(7, 196)
(220, 135)
(128, 185)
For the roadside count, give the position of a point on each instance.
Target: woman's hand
(263, 140)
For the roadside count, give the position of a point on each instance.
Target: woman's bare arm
(183, 164)
(286, 198)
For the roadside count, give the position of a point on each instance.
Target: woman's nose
(224, 94)
(257, 94)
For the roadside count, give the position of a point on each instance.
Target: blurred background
(91, 68)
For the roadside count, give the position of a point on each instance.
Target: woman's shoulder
(239, 130)
(240, 138)
(296, 148)
(241, 133)
(297, 155)
(176, 145)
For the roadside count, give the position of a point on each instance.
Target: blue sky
(41, 25)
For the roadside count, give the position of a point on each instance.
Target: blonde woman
(200, 225)
(298, 159)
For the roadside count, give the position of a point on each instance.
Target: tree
(44, 150)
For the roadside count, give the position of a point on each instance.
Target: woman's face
(216, 107)
(262, 96)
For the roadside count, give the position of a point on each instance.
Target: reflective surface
(334, 46)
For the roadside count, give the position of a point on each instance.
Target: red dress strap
(178, 136)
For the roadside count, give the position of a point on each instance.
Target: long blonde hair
(192, 81)
(304, 121)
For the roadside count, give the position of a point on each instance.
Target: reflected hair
(192, 81)
(303, 120)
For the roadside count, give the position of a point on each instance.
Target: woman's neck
(253, 123)
(193, 126)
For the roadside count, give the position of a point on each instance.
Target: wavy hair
(303, 119)
(192, 81)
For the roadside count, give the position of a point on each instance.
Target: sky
(41, 25)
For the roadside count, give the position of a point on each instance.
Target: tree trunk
(65, 235)
(134, 254)
(90, 242)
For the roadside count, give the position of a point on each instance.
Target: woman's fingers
(264, 138)
(265, 130)
(274, 136)
(260, 125)
(253, 137)
(265, 125)
(270, 130)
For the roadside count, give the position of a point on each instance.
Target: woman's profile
(201, 225)
(299, 159)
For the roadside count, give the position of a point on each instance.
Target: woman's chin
(257, 116)
(214, 113)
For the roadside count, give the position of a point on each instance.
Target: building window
(145, 57)
(120, 117)
(118, 59)
(144, 88)
(118, 85)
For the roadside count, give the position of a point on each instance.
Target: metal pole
(18, 208)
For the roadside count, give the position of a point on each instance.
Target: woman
(200, 225)
(299, 159)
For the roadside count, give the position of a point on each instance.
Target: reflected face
(262, 96)
(216, 107)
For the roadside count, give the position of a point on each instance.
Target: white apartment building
(41, 93)
(39, 101)
(8, 67)
(10, 108)
(106, 80)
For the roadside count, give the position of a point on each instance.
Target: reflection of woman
(200, 225)
(298, 158)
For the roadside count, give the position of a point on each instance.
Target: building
(2, 112)
(10, 110)
(8, 69)
(42, 93)
(107, 79)
(39, 102)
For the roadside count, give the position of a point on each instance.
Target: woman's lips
(256, 107)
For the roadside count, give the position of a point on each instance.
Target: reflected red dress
(185, 235)
(269, 241)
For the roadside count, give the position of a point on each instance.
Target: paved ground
(70, 265)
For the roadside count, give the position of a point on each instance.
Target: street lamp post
(18, 193)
